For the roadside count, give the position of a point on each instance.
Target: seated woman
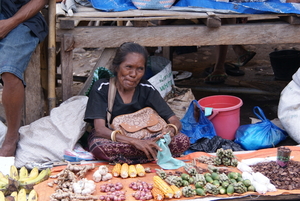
(133, 93)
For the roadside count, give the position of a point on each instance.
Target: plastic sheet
(269, 6)
(211, 145)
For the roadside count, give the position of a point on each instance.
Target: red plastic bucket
(225, 114)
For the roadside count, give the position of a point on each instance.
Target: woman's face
(131, 70)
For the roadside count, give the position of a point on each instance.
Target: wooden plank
(104, 60)
(67, 46)
(189, 35)
(291, 19)
(83, 12)
(33, 106)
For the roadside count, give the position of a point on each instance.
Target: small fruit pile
(212, 182)
(19, 183)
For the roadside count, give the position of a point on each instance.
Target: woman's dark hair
(122, 52)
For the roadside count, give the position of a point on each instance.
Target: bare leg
(218, 75)
(13, 100)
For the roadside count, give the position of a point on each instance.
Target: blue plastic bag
(197, 128)
(260, 135)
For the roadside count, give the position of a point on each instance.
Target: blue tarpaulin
(269, 6)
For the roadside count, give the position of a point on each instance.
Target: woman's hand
(149, 146)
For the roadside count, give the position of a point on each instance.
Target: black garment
(36, 24)
(145, 95)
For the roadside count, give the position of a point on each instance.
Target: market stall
(78, 31)
(286, 186)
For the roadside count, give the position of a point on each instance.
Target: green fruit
(230, 190)
(251, 188)
(185, 183)
(240, 179)
(233, 175)
(247, 182)
(225, 184)
(216, 183)
(215, 176)
(199, 184)
(207, 174)
(191, 180)
(209, 179)
(200, 191)
(222, 190)
(185, 176)
(233, 181)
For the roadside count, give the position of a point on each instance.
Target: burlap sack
(179, 100)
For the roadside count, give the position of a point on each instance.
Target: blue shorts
(16, 50)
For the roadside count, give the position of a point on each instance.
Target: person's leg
(12, 100)
(218, 75)
(15, 50)
(244, 56)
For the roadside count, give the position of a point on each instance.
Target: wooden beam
(104, 60)
(189, 35)
(34, 101)
(67, 65)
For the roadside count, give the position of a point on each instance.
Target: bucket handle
(214, 113)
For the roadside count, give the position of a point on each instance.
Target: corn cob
(116, 170)
(140, 170)
(163, 186)
(177, 192)
(132, 171)
(157, 194)
(124, 170)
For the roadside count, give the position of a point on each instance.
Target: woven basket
(153, 4)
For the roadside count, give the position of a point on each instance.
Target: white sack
(46, 139)
(289, 110)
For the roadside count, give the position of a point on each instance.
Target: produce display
(194, 180)
(18, 185)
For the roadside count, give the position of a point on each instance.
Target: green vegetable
(216, 183)
(222, 190)
(191, 180)
(215, 176)
(209, 179)
(230, 190)
(185, 183)
(233, 175)
(200, 191)
(225, 184)
(251, 188)
(247, 182)
(185, 176)
(233, 181)
(199, 184)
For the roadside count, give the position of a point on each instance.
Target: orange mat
(44, 191)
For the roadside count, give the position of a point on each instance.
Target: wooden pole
(51, 56)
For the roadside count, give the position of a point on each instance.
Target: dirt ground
(257, 87)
